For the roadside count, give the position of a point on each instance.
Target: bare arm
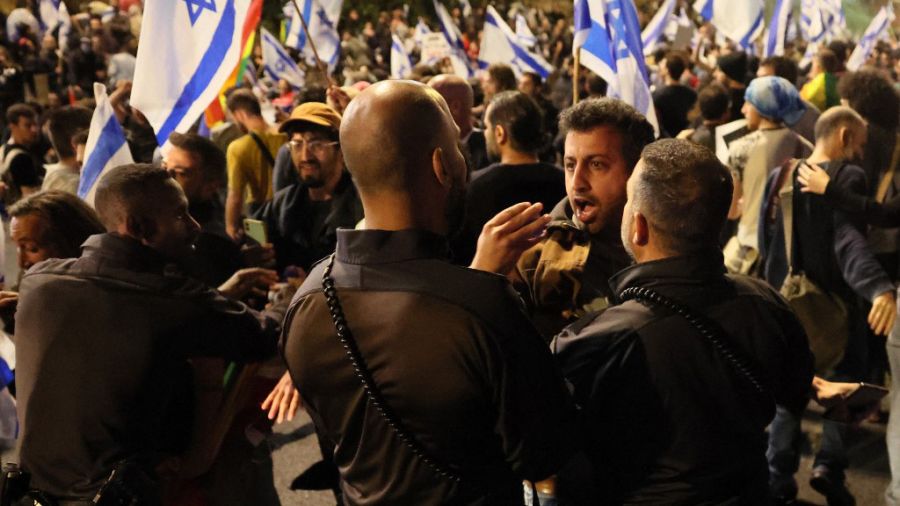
(234, 206)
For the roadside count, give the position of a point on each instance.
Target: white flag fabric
(277, 63)
(877, 27)
(401, 65)
(49, 11)
(778, 28)
(458, 56)
(322, 18)
(106, 146)
(65, 27)
(500, 44)
(655, 28)
(524, 33)
(611, 48)
(421, 31)
(466, 8)
(740, 21)
(186, 53)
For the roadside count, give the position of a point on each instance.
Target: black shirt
(668, 419)
(673, 103)
(500, 186)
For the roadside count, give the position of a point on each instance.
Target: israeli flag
(322, 18)
(65, 27)
(655, 28)
(741, 21)
(401, 66)
(876, 28)
(612, 49)
(106, 146)
(421, 31)
(277, 64)
(523, 32)
(49, 11)
(466, 8)
(499, 44)
(778, 27)
(187, 51)
(458, 55)
(833, 12)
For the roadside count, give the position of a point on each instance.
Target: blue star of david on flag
(196, 7)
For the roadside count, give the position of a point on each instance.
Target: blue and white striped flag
(277, 63)
(778, 28)
(322, 18)
(876, 28)
(65, 27)
(186, 53)
(401, 66)
(833, 11)
(466, 8)
(106, 146)
(421, 31)
(655, 28)
(458, 56)
(611, 48)
(741, 21)
(499, 44)
(523, 32)
(49, 11)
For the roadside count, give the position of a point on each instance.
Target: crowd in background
(278, 161)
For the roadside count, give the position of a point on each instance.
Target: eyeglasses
(317, 146)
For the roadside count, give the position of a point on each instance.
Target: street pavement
(295, 449)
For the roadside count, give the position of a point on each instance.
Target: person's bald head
(458, 94)
(401, 146)
(391, 133)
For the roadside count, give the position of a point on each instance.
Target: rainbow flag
(215, 113)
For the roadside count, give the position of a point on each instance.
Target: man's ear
(845, 136)
(142, 229)
(640, 230)
(500, 134)
(439, 167)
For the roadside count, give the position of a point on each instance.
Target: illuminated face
(176, 230)
(316, 157)
(596, 174)
(29, 234)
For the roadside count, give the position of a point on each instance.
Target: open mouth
(585, 210)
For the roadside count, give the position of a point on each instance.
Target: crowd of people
(494, 290)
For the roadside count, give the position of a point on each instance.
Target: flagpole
(575, 71)
(309, 39)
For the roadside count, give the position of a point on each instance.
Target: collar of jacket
(386, 246)
(121, 251)
(562, 217)
(695, 269)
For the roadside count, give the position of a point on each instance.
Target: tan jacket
(553, 272)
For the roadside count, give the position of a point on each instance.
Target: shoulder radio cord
(368, 383)
(739, 362)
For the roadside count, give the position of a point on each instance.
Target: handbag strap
(784, 195)
(264, 149)
(368, 382)
(711, 331)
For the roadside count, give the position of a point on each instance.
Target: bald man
(457, 92)
(446, 349)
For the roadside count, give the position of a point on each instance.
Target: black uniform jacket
(454, 355)
(669, 420)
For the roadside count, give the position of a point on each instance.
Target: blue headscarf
(775, 98)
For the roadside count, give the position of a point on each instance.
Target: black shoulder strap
(710, 330)
(368, 382)
(264, 149)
